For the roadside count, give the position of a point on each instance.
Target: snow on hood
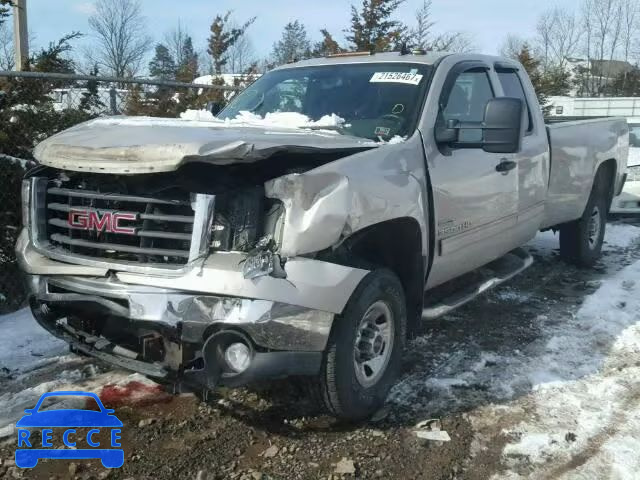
(145, 144)
(271, 120)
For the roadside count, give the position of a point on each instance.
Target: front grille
(123, 227)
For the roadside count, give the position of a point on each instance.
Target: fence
(36, 105)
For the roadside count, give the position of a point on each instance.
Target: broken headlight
(238, 220)
(258, 264)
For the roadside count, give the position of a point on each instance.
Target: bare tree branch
(423, 36)
(241, 54)
(121, 40)
(630, 26)
(7, 53)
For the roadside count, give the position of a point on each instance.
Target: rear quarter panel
(577, 150)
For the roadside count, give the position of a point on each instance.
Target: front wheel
(365, 348)
(581, 241)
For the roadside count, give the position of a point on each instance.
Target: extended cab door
(475, 198)
(533, 157)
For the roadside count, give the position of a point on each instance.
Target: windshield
(377, 101)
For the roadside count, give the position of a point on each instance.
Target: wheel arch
(396, 245)
(605, 178)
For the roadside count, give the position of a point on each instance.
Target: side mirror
(503, 123)
(448, 133)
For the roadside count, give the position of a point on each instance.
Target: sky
(487, 21)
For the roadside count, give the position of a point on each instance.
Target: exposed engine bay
(150, 218)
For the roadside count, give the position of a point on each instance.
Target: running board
(446, 298)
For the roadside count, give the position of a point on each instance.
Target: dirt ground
(465, 370)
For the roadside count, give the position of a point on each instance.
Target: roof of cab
(428, 58)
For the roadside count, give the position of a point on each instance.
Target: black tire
(579, 243)
(342, 392)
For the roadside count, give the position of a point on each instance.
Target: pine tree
(189, 65)
(424, 25)
(223, 38)
(135, 104)
(294, 44)
(90, 101)
(626, 84)
(372, 28)
(4, 11)
(162, 66)
(328, 46)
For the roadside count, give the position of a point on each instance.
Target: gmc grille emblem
(85, 219)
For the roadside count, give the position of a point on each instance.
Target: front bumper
(270, 325)
(284, 340)
(286, 322)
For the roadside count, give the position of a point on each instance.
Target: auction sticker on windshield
(396, 77)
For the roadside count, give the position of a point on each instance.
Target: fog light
(238, 357)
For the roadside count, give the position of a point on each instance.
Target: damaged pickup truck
(310, 227)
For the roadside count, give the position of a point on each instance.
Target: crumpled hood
(144, 144)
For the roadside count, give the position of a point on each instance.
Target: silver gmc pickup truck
(221, 252)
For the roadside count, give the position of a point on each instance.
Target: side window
(467, 102)
(512, 87)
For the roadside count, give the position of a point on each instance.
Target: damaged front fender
(316, 210)
(325, 205)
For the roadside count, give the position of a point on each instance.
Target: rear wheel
(581, 241)
(365, 348)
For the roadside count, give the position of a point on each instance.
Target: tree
(422, 35)
(327, 46)
(189, 64)
(372, 28)
(175, 40)
(241, 55)
(512, 46)
(4, 10)
(7, 53)
(625, 85)
(180, 45)
(559, 36)
(90, 101)
(162, 66)
(54, 58)
(294, 44)
(121, 40)
(27, 114)
(223, 38)
(630, 26)
(554, 81)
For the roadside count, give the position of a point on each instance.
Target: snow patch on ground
(28, 344)
(28, 352)
(12, 405)
(622, 236)
(568, 400)
(585, 403)
(616, 235)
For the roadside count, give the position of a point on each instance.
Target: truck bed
(577, 149)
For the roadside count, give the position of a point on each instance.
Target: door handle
(505, 166)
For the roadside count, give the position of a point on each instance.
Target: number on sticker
(396, 77)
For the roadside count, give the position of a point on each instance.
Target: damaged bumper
(177, 328)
